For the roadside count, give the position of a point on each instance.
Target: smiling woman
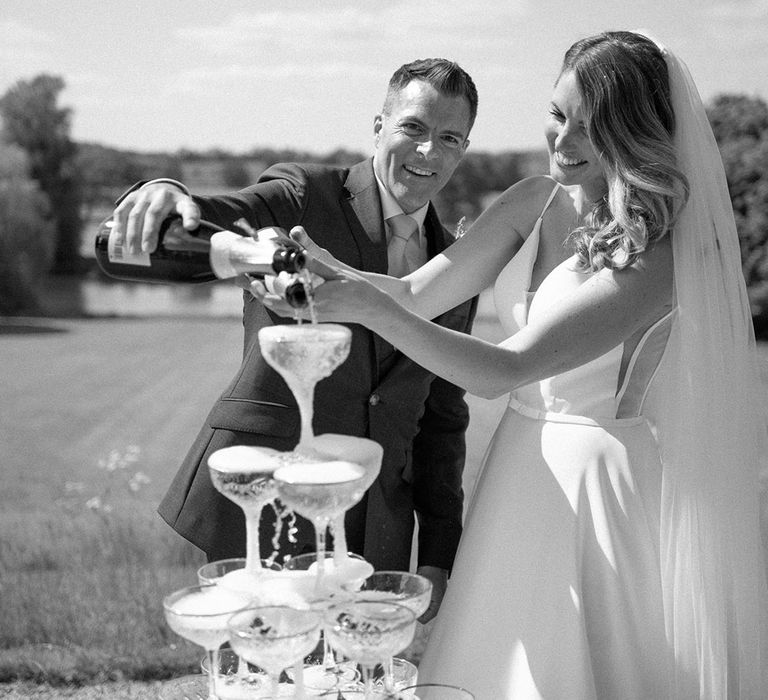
(573, 160)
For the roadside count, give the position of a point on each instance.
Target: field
(96, 415)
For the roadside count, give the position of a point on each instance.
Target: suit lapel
(438, 239)
(362, 207)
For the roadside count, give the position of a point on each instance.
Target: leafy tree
(26, 238)
(733, 117)
(104, 175)
(342, 156)
(740, 125)
(33, 121)
(153, 165)
(477, 176)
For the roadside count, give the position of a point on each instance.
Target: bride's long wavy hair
(629, 119)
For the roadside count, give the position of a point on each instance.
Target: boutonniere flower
(460, 227)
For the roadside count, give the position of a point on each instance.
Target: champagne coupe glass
(369, 632)
(243, 474)
(361, 451)
(234, 680)
(352, 570)
(318, 679)
(200, 614)
(212, 573)
(303, 355)
(406, 676)
(436, 691)
(320, 491)
(274, 638)
(402, 674)
(411, 590)
(341, 576)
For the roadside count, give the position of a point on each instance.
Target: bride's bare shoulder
(530, 191)
(524, 201)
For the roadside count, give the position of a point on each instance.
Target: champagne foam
(245, 459)
(332, 472)
(347, 571)
(211, 601)
(320, 333)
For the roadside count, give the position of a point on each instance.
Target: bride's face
(572, 158)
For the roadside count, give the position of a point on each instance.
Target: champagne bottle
(204, 254)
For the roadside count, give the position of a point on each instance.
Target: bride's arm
(466, 267)
(603, 312)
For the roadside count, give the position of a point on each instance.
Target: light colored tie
(404, 250)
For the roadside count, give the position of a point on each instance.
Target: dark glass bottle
(204, 254)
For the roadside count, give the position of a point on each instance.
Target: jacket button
(373, 399)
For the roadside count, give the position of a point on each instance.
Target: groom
(420, 137)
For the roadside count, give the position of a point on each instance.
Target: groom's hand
(439, 579)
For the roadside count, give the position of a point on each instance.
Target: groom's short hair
(447, 77)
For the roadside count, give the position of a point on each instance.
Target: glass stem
(275, 683)
(329, 658)
(242, 668)
(389, 675)
(213, 671)
(320, 527)
(304, 397)
(298, 679)
(367, 681)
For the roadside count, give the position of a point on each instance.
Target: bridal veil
(711, 422)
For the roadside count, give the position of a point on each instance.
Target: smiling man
(356, 213)
(420, 137)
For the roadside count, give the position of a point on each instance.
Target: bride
(611, 549)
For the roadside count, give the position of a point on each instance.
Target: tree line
(50, 185)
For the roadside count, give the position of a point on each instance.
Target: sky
(162, 75)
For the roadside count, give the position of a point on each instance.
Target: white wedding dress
(556, 591)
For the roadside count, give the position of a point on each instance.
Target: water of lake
(95, 296)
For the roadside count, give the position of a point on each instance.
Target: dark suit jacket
(378, 393)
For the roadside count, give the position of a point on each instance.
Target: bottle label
(119, 254)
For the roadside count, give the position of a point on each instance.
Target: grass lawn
(96, 416)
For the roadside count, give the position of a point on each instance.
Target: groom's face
(420, 140)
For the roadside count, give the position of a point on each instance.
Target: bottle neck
(233, 255)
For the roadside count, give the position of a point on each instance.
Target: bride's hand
(346, 297)
(319, 260)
